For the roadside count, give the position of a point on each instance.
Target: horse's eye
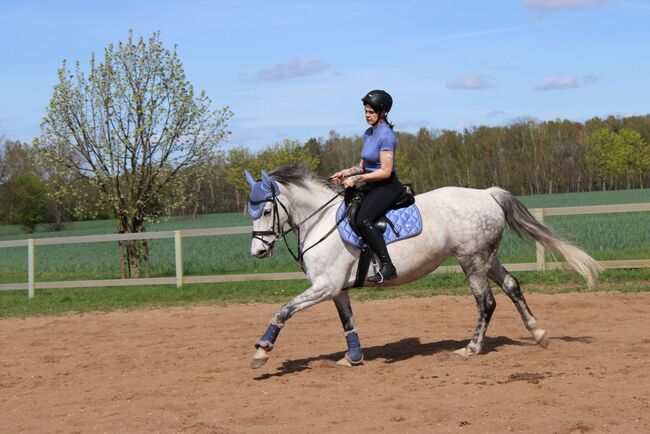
(267, 211)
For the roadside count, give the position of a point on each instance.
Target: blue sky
(297, 69)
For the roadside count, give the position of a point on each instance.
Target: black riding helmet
(379, 100)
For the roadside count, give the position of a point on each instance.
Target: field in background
(605, 236)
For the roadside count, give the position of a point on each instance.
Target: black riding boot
(376, 242)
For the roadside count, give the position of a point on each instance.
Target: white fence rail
(179, 279)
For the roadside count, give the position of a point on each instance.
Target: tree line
(525, 157)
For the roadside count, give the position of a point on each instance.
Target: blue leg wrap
(268, 338)
(354, 354)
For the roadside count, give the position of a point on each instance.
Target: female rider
(377, 171)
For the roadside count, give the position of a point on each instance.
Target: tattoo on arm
(358, 180)
(352, 171)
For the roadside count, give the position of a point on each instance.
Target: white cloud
(495, 114)
(411, 124)
(563, 4)
(284, 71)
(590, 78)
(470, 82)
(571, 82)
(468, 35)
(555, 83)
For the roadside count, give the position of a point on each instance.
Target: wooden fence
(179, 279)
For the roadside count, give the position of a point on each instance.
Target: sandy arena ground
(187, 370)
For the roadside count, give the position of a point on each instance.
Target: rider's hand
(337, 177)
(349, 182)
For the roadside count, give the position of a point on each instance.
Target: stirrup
(372, 278)
(381, 277)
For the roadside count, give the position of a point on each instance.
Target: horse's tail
(524, 224)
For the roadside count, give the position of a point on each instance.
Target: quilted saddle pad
(407, 221)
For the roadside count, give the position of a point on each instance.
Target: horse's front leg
(310, 297)
(354, 355)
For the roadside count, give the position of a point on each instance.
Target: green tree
(134, 128)
(17, 158)
(600, 154)
(237, 160)
(26, 196)
(632, 156)
(288, 152)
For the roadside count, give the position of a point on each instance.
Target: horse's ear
(249, 178)
(266, 180)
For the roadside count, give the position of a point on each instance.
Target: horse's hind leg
(510, 286)
(354, 355)
(476, 269)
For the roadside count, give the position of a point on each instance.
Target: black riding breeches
(378, 201)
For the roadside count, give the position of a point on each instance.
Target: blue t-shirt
(381, 139)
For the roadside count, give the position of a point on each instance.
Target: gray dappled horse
(461, 222)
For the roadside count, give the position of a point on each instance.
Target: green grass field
(60, 301)
(605, 236)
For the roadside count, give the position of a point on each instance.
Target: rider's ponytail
(389, 123)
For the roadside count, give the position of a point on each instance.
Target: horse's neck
(305, 202)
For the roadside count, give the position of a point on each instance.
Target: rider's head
(380, 102)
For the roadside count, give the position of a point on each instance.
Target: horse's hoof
(259, 358)
(258, 363)
(541, 337)
(344, 362)
(462, 354)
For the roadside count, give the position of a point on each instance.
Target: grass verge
(61, 301)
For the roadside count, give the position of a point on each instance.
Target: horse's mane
(297, 174)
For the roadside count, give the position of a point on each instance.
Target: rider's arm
(355, 170)
(384, 172)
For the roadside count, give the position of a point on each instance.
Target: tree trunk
(132, 250)
(135, 250)
(145, 258)
(122, 260)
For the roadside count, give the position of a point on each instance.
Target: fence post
(541, 262)
(178, 247)
(30, 267)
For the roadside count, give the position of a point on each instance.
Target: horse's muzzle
(264, 253)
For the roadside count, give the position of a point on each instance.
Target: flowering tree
(134, 128)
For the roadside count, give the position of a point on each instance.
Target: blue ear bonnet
(261, 192)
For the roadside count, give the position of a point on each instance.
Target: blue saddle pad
(407, 221)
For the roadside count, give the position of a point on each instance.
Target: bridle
(278, 232)
(276, 228)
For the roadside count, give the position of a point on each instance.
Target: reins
(279, 233)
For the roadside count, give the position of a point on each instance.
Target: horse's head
(268, 212)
